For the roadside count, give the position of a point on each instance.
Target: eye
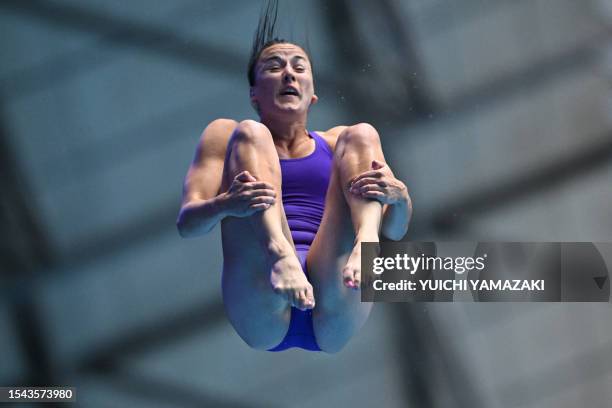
(300, 68)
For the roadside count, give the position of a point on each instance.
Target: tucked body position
(294, 207)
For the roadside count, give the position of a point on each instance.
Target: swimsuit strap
(321, 143)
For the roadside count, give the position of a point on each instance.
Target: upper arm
(204, 176)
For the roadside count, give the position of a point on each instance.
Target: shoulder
(213, 140)
(217, 133)
(331, 135)
(219, 128)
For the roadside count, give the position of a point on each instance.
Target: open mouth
(290, 91)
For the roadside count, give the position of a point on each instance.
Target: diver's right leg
(262, 276)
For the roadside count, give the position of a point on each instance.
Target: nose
(288, 76)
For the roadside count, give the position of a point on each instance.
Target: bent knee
(360, 134)
(261, 328)
(332, 347)
(252, 132)
(261, 339)
(261, 344)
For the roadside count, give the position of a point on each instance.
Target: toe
(301, 300)
(349, 278)
(310, 300)
(357, 280)
(294, 298)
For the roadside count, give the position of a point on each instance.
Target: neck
(286, 132)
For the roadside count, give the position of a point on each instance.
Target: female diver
(294, 206)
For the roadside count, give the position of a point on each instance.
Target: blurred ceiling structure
(496, 113)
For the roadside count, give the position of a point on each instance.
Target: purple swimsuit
(305, 182)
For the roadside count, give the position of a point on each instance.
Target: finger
(370, 173)
(373, 194)
(262, 200)
(245, 176)
(371, 187)
(377, 164)
(260, 206)
(362, 182)
(258, 185)
(242, 176)
(262, 192)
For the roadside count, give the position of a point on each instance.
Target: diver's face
(283, 81)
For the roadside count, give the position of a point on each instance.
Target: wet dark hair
(265, 37)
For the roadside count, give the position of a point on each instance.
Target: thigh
(339, 312)
(259, 316)
(242, 225)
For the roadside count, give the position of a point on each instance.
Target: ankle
(372, 247)
(276, 250)
(362, 237)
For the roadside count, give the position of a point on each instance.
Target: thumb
(377, 165)
(245, 176)
(250, 177)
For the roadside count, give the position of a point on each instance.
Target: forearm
(200, 217)
(396, 218)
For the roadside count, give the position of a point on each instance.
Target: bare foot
(351, 273)
(289, 281)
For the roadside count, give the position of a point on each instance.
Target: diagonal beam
(177, 395)
(503, 193)
(114, 31)
(202, 318)
(576, 58)
(351, 58)
(414, 80)
(23, 235)
(592, 364)
(415, 364)
(25, 241)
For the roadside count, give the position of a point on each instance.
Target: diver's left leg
(334, 259)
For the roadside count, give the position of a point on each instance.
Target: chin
(290, 109)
